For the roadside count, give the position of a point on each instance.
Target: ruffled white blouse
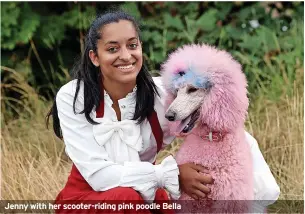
(120, 153)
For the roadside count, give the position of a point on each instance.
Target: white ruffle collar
(128, 96)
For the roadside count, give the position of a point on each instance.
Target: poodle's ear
(168, 99)
(172, 125)
(226, 107)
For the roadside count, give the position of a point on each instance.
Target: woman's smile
(126, 68)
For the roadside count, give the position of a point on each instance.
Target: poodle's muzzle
(185, 107)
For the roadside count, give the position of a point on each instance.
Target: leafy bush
(16, 27)
(41, 40)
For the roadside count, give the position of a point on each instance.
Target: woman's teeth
(125, 67)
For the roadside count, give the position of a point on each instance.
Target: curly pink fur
(223, 110)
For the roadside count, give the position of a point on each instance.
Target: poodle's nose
(170, 116)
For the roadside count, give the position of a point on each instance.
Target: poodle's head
(206, 86)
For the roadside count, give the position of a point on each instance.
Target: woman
(111, 118)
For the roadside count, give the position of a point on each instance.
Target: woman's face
(119, 53)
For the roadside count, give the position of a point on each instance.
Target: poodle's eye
(191, 90)
(181, 73)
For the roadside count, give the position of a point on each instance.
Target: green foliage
(16, 27)
(41, 40)
(53, 29)
(226, 25)
(131, 8)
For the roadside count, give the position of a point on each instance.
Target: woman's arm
(265, 187)
(93, 162)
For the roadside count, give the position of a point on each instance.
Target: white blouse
(120, 153)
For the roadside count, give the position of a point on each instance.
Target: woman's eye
(133, 46)
(191, 90)
(112, 50)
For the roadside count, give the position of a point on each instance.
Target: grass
(34, 165)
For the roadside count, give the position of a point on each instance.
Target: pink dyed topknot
(225, 107)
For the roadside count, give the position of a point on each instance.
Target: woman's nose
(125, 55)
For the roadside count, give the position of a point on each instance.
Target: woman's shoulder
(67, 92)
(70, 88)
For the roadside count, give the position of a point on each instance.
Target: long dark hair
(84, 71)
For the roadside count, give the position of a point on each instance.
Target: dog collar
(212, 136)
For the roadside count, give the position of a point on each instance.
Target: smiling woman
(111, 118)
(119, 56)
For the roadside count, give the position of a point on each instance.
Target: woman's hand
(192, 182)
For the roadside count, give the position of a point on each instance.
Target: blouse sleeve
(266, 189)
(93, 162)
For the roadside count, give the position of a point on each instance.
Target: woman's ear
(94, 58)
